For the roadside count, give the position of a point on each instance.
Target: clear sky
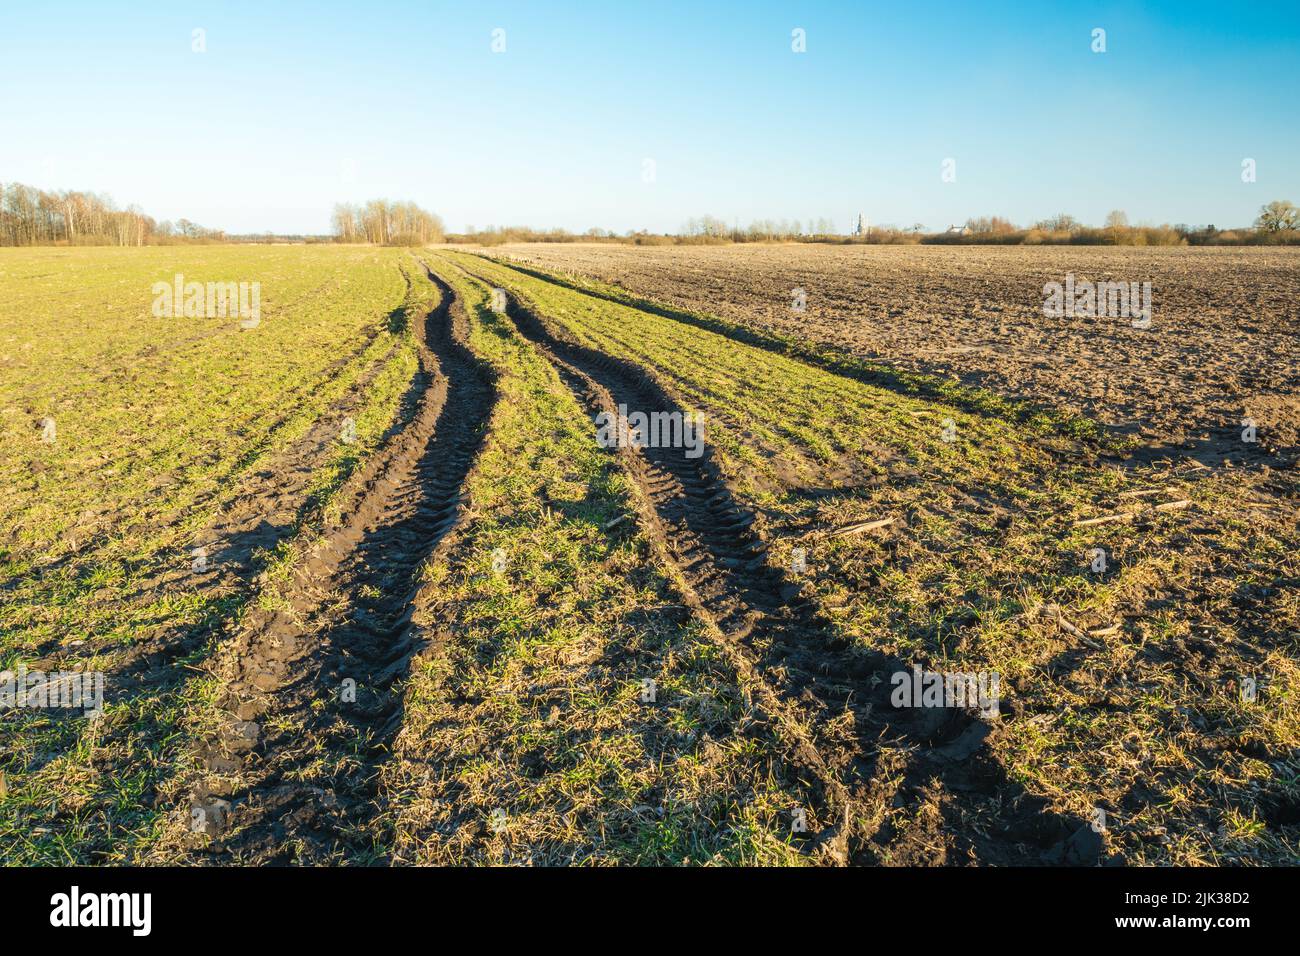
(295, 106)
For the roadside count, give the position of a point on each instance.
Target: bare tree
(1278, 215)
(30, 216)
(381, 222)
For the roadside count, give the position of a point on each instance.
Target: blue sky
(295, 106)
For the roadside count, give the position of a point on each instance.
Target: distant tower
(861, 228)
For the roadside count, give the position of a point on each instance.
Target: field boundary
(838, 361)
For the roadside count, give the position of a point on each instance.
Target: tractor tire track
(311, 690)
(701, 531)
(806, 674)
(271, 505)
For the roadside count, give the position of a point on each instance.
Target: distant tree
(1117, 219)
(1061, 222)
(381, 222)
(30, 216)
(989, 225)
(344, 222)
(1278, 215)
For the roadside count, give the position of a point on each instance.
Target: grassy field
(172, 434)
(567, 653)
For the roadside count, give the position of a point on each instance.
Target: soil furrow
(803, 668)
(308, 688)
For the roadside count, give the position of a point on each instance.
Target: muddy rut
(310, 692)
(830, 702)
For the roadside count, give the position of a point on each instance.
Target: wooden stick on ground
(1104, 519)
(849, 529)
(1178, 505)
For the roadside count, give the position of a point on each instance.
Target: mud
(311, 690)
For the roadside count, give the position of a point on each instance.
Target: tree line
(384, 223)
(760, 230)
(1278, 223)
(37, 217)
